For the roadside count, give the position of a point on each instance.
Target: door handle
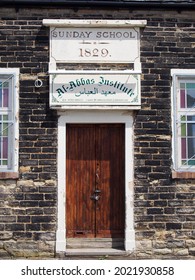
(95, 197)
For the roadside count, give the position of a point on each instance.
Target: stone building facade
(163, 203)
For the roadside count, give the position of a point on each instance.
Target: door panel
(110, 155)
(95, 169)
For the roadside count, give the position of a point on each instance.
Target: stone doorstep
(95, 252)
(95, 246)
(95, 243)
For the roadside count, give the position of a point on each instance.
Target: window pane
(183, 129)
(182, 99)
(4, 133)
(191, 118)
(191, 148)
(183, 125)
(191, 129)
(190, 87)
(5, 147)
(183, 148)
(4, 94)
(5, 97)
(191, 162)
(4, 162)
(5, 118)
(183, 118)
(187, 133)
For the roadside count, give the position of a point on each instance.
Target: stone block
(175, 244)
(192, 251)
(181, 252)
(144, 254)
(190, 243)
(6, 235)
(163, 251)
(26, 183)
(159, 244)
(143, 244)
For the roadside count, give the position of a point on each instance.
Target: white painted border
(15, 131)
(95, 117)
(93, 23)
(71, 97)
(176, 74)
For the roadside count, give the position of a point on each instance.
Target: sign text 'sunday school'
(92, 35)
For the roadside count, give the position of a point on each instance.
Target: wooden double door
(95, 180)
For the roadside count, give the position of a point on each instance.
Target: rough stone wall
(28, 217)
(165, 221)
(164, 207)
(28, 205)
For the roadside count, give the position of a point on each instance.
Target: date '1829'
(93, 52)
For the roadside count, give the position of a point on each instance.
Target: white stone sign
(92, 45)
(94, 89)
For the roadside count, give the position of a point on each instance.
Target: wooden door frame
(95, 116)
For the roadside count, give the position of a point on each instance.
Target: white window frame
(177, 75)
(13, 146)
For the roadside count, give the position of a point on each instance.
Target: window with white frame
(183, 97)
(9, 120)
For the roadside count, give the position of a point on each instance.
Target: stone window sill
(9, 175)
(183, 175)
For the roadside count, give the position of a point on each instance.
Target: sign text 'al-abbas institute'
(119, 45)
(94, 89)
